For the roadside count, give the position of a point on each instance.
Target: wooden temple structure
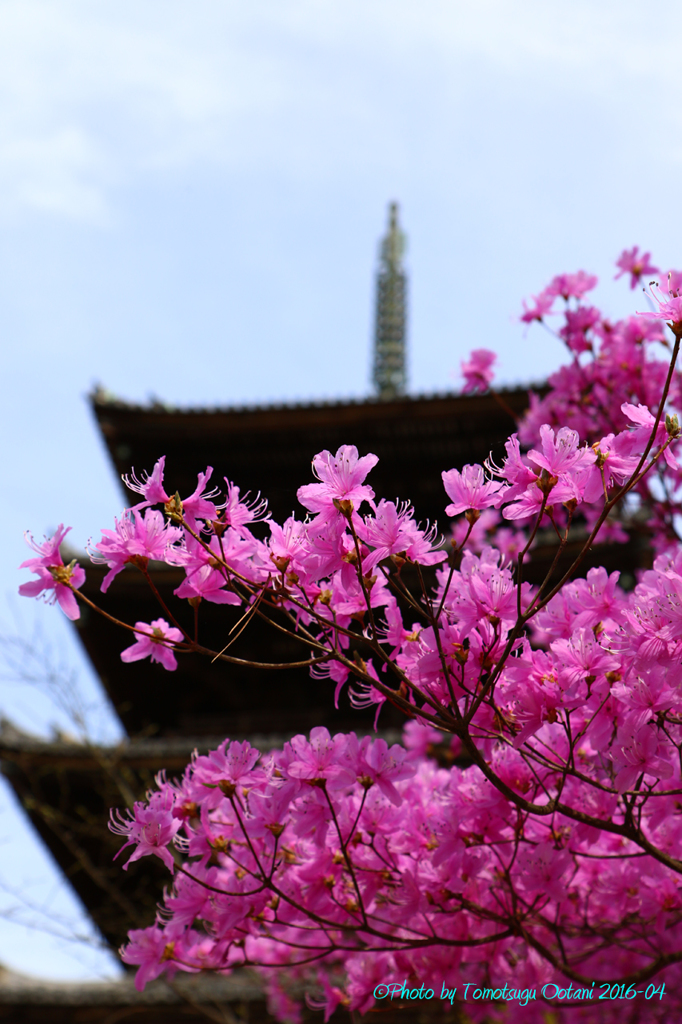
(67, 788)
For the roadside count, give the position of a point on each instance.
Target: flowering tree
(543, 868)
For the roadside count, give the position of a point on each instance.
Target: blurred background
(191, 198)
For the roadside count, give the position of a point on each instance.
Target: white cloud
(93, 95)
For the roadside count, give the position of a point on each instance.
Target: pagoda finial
(389, 375)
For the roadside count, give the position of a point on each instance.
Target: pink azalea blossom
(542, 307)
(55, 579)
(614, 465)
(646, 695)
(286, 543)
(341, 479)
(238, 512)
(579, 323)
(207, 584)
(197, 506)
(151, 950)
(477, 371)
(223, 773)
(635, 753)
(385, 766)
(470, 490)
(318, 758)
(560, 452)
(393, 531)
(150, 486)
(270, 811)
(515, 470)
(150, 827)
(365, 695)
(530, 502)
(636, 264)
(332, 996)
(206, 576)
(639, 436)
(154, 640)
(134, 537)
(572, 285)
(669, 302)
(546, 870)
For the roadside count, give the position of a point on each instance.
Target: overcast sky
(191, 197)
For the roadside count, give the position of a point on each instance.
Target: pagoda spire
(389, 375)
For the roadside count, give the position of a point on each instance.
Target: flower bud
(275, 828)
(344, 506)
(173, 508)
(546, 482)
(672, 425)
(461, 654)
(219, 524)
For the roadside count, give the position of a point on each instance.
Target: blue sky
(191, 198)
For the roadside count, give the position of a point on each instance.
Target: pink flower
(237, 513)
(572, 285)
(393, 531)
(152, 950)
(331, 998)
(543, 306)
(634, 264)
(578, 322)
(639, 437)
(151, 827)
(206, 583)
(326, 542)
(270, 811)
(674, 279)
(364, 695)
(231, 764)
(286, 543)
(635, 753)
(319, 758)
(614, 465)
(196, 506)
(206, 576)
(134, 537)
(470, 490)
(153, 642)
(530, 502)
(341, 479)
(514, 470)
(646, 696)
(282, 1005)
(52, 574)
(385, 766)
(546, 870)
(560, 452)
(477, 371)
(150, 487)
(669, 302)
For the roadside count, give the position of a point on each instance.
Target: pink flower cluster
(529, 829)
(345, 851)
